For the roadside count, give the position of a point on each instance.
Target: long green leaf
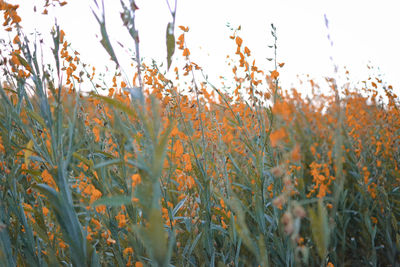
(170, 43)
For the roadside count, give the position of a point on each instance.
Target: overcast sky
(362, 31)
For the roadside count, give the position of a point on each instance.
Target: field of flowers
(175, 171)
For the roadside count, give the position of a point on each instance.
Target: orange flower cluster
(220, 145)
(10, 14)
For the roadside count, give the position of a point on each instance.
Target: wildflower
(97, 223)
(274, 74)
(247, 51)
(90, 233)
(372, 190)
(239, 41)
(101, 209)
(277, 136)
(188, 163)
(186, 52)
(45, 211)
(178, 148)
(183, 28)
(48, 179)
(135, 180)
(110, 241)
(296, 156)
(62, 244)
(128, 250)
(300, 240)
(91, 191)
(223, 224)
(16, 40)
(121, 218)
(96, 132)
(62, 34)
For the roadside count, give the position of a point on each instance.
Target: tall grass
(179, 172)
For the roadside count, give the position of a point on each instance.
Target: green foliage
(185, 173)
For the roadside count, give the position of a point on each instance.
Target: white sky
(362, 31)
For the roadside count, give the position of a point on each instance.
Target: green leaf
(6, 253)
(83, 159)
(160, 150)
(320, 229)
(242, 228)
(178, 207)
(196, 240)
(154, 238)
(70, 225)
(115, 103)
(170, 43)
(107, 163)
(51, 194)
(23, 61)
(36, 117)
(105, 41)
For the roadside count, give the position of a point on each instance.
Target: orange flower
(101, 209)
(62, 244)
(48, 179)
(277, 136)
(183, 28)
(372, 190)
(91, 191)
(239, 41)
(128, 250)
(97, 223)
(187, 162)
(96, 132)
(178, 148)
(274, 74)
(223, 224)
(110, 241)
(15, 60)
(45, 211)
(16, 40)
(366, 174)
(247, 51)
(121, 218)
(296, 156)
(62, 34)
(186, 52)
(135, 179)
